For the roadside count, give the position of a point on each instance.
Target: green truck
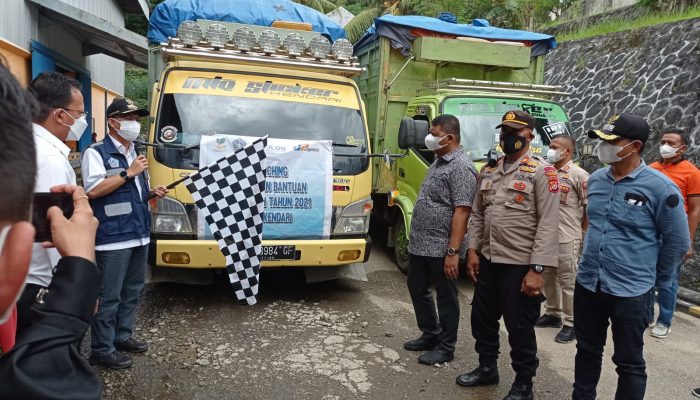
(415, 70)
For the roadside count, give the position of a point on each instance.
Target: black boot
(436, 356)
(420, 344)
(548, 321)
(565, 335)
(520, 391)
(481, 376)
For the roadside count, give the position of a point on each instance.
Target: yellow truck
(284, 81)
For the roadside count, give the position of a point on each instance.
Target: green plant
(136, 85)
(618, 25)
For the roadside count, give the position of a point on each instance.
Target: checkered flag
(230, 193)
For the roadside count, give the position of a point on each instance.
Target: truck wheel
(401, 245)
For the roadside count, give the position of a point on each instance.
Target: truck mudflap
(276, 253)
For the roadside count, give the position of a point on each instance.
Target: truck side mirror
(412, 132)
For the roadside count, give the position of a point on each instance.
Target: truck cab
(419, 68)
(220, 78)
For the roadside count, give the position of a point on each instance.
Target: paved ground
(342, 340)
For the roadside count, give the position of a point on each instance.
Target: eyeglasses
(81, 114)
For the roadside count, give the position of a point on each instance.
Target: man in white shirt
(62, 117)
(117, 183)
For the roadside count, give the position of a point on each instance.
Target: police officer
(559, 282)
(512, 237)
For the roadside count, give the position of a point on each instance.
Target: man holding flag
(116, 182)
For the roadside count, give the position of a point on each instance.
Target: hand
(451, 266)
(159, 191)
(688, 254)
(532, 284)
(472, 264)
(139, 165)
(74, 237)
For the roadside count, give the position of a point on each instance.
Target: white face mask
(668, 151)
(553, 156)
(77, 129)
(607, 153)
(432, 142)
(129, 129)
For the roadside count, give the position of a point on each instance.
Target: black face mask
(512, 143)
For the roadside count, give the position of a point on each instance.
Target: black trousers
(594, 312)
(24, 304)
(424, 272)
(498, 294)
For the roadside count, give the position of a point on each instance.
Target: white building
(85, 39)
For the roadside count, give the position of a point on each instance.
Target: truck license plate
(278, 252)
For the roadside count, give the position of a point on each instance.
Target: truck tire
(400, 240)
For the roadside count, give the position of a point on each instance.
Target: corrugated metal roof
(134, 7)
(100, 36)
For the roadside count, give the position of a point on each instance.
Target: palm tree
(324, 6)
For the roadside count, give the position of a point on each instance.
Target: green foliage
(358, 25)
(136, 85)
(619, 25)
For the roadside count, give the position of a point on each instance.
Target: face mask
(553, 156)
(667, 151)
(129, 130)
(512, 143)
(607, 153)
(77, 129)
(432, 142)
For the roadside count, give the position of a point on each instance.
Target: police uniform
(514, 225)
(559, 282)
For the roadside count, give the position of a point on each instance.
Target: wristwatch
(537, 268)
(124, 175)
(451, 251)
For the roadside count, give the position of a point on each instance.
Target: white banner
(298, 186)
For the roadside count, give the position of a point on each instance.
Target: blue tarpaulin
(168, 15)
(394, 26)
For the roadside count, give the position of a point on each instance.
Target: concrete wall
(653, 72)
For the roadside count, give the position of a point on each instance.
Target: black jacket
(46, 362)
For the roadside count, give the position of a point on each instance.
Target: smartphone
(40, 206)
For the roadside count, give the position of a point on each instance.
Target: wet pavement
(343, 340)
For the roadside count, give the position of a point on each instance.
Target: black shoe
(520, 392)
(132, 345)
(115, 360)
(565, 335)
(481, 376)
(420, 344)
(548, 321)
(436, 356)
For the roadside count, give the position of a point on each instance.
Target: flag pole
(170, 186)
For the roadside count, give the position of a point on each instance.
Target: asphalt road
(343, 340)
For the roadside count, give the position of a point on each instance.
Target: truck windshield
(194, 115)
(478, 119)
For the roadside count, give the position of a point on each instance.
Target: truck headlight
(190, 33)
(354, 218)
(169, 216)
(342, 49)
(319, 47)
